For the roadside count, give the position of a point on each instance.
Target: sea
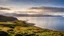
(52, 23)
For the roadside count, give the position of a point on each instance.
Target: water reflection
(54, 23)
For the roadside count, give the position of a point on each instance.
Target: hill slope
(22, 28)
(7, 18)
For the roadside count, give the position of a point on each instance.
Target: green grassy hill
(16, 27)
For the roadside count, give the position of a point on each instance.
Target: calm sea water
(53, 23)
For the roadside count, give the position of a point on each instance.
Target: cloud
(54, 11)
(48, 9)
(4, 8)
(40, 11)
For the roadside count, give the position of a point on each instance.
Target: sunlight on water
(54, 23)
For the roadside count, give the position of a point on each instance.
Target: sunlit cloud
(6, 10)
(47, 10)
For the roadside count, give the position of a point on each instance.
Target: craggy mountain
(7, 18)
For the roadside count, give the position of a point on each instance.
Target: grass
(21, 28)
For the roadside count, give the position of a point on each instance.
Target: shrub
(2, 33)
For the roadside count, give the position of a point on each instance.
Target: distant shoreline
(21, 15)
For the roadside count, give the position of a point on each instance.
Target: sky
(22, 4)
(49, 7)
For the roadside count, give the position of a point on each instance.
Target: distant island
(36, 15)
(11, 26)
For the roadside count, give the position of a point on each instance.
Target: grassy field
(21, 28)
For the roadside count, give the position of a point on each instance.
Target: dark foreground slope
(7, 18)
(10, 26)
